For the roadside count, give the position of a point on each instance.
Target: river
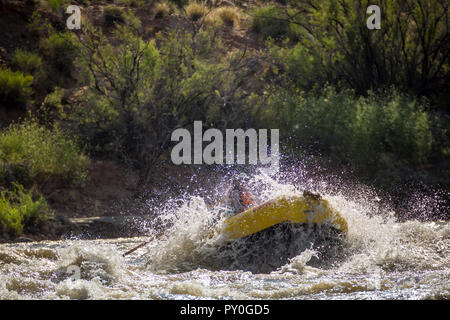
(379, 258)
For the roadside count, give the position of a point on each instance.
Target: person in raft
(238, 198)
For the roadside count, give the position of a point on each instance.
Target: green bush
(180, 3)
(43, 152)
(55, 4)
(408, 52)
(357, 130)
(15, 87)
(60, 49)
(11, 173)
(18, 210)
(52, 107)
(270, 21)
(154, 90)
(299, 65)
(27, 62)
(113, 15)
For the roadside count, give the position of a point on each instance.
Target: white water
(379, 259)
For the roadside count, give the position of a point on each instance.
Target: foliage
(113, 15)
(140, 93)
(54, 4)
(227, 16)
(350, 129)
(27, 62)
(42, 153)
(196, 10)
(270, 21)
(161, 10)
(18, 209)
(15, 87)
(180, 3)
(315, 81)
(60, 49)
(410, 51)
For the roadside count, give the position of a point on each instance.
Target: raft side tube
(294, 209)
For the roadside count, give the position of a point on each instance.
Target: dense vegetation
(366, 99)
(30, 156)
(31, 152)
(19, 209)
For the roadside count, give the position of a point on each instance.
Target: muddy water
(379, 258)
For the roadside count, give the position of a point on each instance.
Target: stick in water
(135, 248)
(143, 244)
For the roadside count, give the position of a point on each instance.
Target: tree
(139, 94)
(410, 51)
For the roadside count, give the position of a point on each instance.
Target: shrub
(55, 4)
(13, 173)
(43, 152)
(195, 11)
(113, 15)
(299, 65)
(162, 10)
(180, 3)
(61, 50)
(133, 3)
(15, 87)
(407, 53)
(228, 16)
(27, 62)
(18, 210)
(131, 116)
(52, 106)
(269, 21)
(357, 130)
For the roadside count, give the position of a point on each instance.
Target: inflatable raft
(307, 209)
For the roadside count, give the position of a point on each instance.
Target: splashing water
(379, 258)
(372, 241)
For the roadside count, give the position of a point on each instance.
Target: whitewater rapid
(380, 258)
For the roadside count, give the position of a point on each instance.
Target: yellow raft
(307, 209)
